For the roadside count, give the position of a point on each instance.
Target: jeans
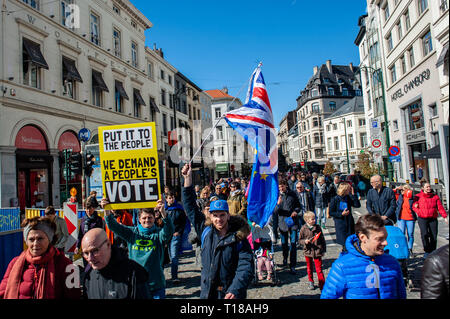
(409, 225)
(293, 236)
(174, 252)
(428, 232)
(321, 215)
(158, 294)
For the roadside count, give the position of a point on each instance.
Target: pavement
(296, 286)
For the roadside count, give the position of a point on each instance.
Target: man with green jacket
(145, 243)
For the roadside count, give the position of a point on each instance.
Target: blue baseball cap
(218, 205)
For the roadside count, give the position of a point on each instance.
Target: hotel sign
(414, 83)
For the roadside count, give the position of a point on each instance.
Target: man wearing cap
(227, 259)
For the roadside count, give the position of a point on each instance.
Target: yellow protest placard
(129, 165)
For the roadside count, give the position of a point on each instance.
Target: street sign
(376, 143)
(84, 134)
(396, 158)
(377, 157)
(394, 150)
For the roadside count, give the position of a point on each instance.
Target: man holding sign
(129, 164)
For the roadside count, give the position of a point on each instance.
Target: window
(32, 62)
(116, 10)
(150, 70)
(351, 141)
(169, 79)
(219, 132)
(363, 139)
(393, 74)
(164, 120)
(329, 144)
(134, 55)
(414, 116)
(97, 90)
(326, 80)
(422, 6)
(433, 110)
(390, 44)
(315, 122)
(411, 57)
(314, 92)
(315, 108)
(386, 12)
(328, 127)
(395, 124)
(221, 151)
(316, 138)
(218, 112)
(137, 103)
(374, 52)
(399, 30)
(116, 43)
(361, 122)
(427, 44)
(318, 153)
(336, 143)
(118, 100)
(95, 29)
(163, 97)
(32, 3)
(330, 91)
(443, 6)
(334, 126)
(407, 20)
(403, 64)
(70, 76)
(349, 123)
(332, 106)
(344, 92)
(65, 12)
(133, 24)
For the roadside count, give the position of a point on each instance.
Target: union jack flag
(254, 121)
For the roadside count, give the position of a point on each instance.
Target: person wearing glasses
(110, 273)
(62, 233)
(146, 243)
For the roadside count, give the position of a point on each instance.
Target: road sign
(302, 163)
(394, 150)
(396, 158)
(376, 143)
(84, 134)
(71, 218)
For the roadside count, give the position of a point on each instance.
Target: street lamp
(346, 146)
(379, 74)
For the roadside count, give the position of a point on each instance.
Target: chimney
(225, 90)
(351, 66)
(315, 69)
(329, 66)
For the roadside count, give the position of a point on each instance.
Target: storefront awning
(138, 97)
(153, 105)
(34, 53)
(121, 90)
(98, 81)
(434, 152)
(70, 71)
(443, 56)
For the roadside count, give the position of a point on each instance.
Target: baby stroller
(261, 243)
(398, 247)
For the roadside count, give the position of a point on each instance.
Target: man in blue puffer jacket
(365, 271)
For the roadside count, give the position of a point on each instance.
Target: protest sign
(129, 165)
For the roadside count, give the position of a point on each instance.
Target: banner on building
(129, 165)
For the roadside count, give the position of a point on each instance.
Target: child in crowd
(313, 242)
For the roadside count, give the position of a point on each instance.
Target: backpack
(397, 244)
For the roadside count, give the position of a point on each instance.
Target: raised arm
(195, 216)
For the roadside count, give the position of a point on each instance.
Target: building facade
(326, 91)
(346, 135)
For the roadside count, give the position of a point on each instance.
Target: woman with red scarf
(426, 205)
(41, 271)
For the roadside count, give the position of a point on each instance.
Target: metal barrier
(33, 212)
(11, 238)
(9, 219)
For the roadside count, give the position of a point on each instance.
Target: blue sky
(219, 43)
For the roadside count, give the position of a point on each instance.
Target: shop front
(34, 168)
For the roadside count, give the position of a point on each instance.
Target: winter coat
(146, 247)
(344, 225)
(354, 275)
(31, 272)
(237, 204)
(177, 216)
(321, 200)
(227, 262)
(400, 204)
(318, 247)
(122, 278)
(435, 283)
(427, 205)
(87, 223)
(382, 203)
(289, 204)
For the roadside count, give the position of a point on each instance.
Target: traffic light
(90, 160)
(75, 163)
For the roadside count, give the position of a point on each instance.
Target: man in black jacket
(110, 274)
(381, 201)
(288, 206)
(435, 284)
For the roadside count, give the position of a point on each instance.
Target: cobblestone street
(295, 286)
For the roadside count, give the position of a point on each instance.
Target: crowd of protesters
(124, 253)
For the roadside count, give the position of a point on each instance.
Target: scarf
(146, 231)
(44, 277)
(322, 188)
